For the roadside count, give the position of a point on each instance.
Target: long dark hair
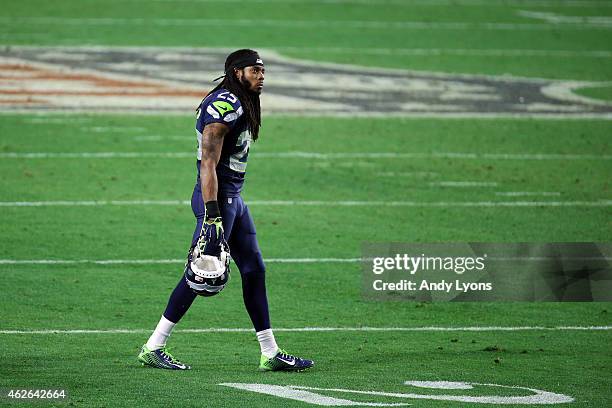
(248, 100)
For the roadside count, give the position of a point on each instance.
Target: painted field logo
(317, 396)
(164, 80)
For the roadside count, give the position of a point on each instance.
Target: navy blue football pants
(244, 249)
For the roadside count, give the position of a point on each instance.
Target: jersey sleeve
(222, 108)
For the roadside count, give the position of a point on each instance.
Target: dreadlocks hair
(249, 100)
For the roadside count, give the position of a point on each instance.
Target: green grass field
(564, 163)
(601, 92)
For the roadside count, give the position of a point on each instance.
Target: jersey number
(238, 160)
(227, 96)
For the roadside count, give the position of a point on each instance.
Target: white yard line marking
(527, 193)
(433, 155)
(599, 203)
(29, 262)
(319, 203)
(56, 120)
(114, 129)
(402, 115)
(454, 52)
(313, 260)
(155, 138)
(424, 174)
(463, 184)
(99, 155)
(158, 261)
(555, 18)
(461, 52)
(293, 24)
(313, 155)
(321, 329)
(92, 203)
(546, 258)
(89, 261)
(443, 115)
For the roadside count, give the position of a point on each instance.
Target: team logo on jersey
(223, 107)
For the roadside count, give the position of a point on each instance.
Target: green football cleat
(160, 358)
(283, 361)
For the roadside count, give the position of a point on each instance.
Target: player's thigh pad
(244, 247)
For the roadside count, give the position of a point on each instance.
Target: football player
(228, 120)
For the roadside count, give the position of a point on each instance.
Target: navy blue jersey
(224, 107)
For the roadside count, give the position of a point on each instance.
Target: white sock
(267, 343)
(160, 334)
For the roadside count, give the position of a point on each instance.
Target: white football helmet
(207, 275)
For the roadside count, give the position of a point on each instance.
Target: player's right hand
(211, 237)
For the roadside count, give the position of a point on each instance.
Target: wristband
(212, 209)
